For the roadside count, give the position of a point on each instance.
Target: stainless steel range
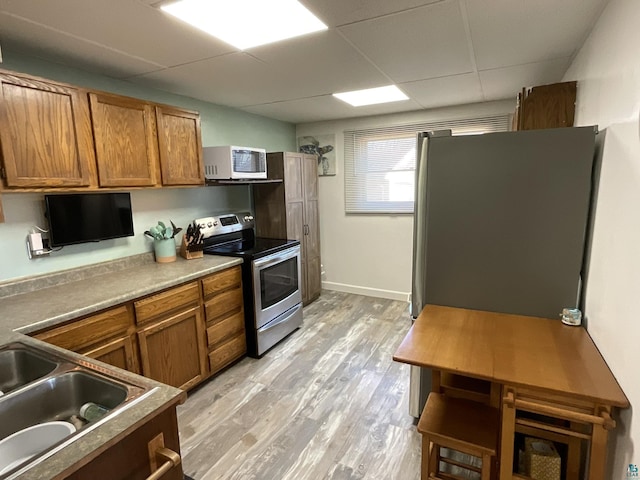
(270, 277)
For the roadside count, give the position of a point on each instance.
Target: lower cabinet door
(173, 349)
(120, 353)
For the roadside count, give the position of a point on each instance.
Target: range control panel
(227, 223)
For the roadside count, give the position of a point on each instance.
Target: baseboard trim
(366, 291)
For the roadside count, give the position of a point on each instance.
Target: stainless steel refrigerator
(500, 224)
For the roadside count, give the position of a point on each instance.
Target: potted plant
(164, 242)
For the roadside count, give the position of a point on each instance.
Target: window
(380, 163)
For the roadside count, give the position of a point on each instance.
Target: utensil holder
(190, 251)
(165, 250)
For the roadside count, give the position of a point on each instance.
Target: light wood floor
(328, 402)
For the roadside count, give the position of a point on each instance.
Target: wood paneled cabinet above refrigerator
(546, 106)
(290, 210)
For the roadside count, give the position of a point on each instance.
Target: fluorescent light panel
(247, 23)
(371, 96)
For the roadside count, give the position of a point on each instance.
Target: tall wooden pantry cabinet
(290, 210)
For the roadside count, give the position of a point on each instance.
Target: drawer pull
(172, 460)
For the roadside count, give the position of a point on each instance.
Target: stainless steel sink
(42, 385)
(57, 398)
(19, 366)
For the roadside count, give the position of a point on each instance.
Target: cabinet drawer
(221, 281)
(167, 301)
(224, 303)
(225, 328)
(91, 330)
(227, 353)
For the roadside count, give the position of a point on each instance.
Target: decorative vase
(165, 250)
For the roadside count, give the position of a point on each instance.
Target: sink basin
(43, 385)
(21, 446)
(19, 366)
(57, 398)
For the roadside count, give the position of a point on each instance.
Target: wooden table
(542, 366)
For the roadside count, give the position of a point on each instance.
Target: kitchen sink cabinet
(224, 314)
(290, 210)
(179, 138)
(140, 453)
(107, 336)
(46, 133)
(172, 340)
(126, 142)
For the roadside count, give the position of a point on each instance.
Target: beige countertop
(33, 311)
(46, 307)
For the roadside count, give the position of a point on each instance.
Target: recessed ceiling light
(247, 23)
(371, 96)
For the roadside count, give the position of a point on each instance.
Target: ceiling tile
(507, 82)
(443, 91)
(316, 64)
(508, 32)
(231, 80)
(22, 36)
(325, 107)
(341, 12)
(126, 25)
(427, 42)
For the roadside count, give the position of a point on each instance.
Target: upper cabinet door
(180, 143)
(126, 143)
(46, 133)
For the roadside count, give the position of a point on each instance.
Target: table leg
(573, 456)
(598, 453)
(507, 434)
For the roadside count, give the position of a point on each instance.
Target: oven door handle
(277, 257)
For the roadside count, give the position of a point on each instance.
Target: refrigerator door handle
(420, 228)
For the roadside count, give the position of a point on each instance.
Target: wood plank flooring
(327, 403)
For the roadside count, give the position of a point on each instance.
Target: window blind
(380, 162)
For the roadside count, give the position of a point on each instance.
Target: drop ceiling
(439, 52)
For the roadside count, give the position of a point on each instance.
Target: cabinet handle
(172, 460)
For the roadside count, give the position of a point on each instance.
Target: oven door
(276, 284)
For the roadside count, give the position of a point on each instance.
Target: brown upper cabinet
(60, 136)
(124, 130)
(46, 133)
(180, 143)
(546, 106)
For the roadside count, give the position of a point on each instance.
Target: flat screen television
(88, 217)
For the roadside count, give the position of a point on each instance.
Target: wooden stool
(459, 424)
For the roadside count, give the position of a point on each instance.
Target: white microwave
(234, 163)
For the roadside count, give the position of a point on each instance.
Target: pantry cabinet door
(46, 133)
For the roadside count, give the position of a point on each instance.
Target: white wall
(371, 254)
(607, 69)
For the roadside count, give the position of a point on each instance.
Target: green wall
(220, 126)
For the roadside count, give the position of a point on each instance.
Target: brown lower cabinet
(179, 336)
(108, 336)
(172, 349)
(141, 453)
